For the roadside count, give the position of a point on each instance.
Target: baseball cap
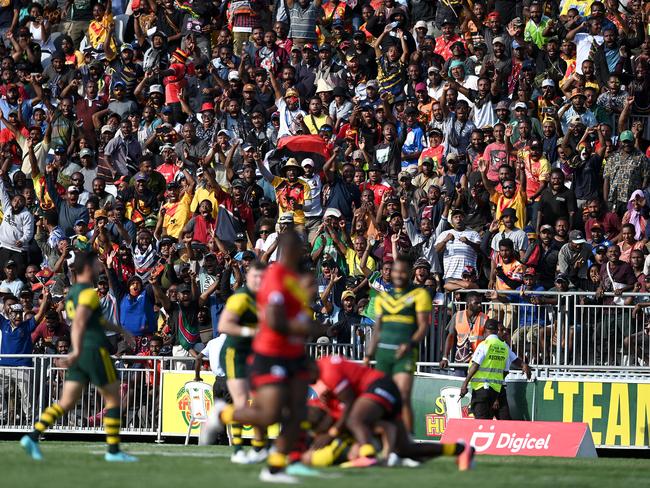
(73, 189)
(80, 222)
(248, 254)
(107, 128)
(499, 40)
(502, 105)
(240, 236)
(307, 162)
(59, 149)
(521, 105)
(140, 177)
(332, 212)
(548, 82)
(562, 277)
(577, 237)
(125, 47)
(421, 24)
(165, 147)
(249, 87)
(421, 87)
(207, 107)
(85, 152)
(348, 294)
(546, 227)
(156, 89)
(286, 218)
(237, 183)
(233, 75)
(530, 271)
(509, 212)
(291, 92)
(421, 263)
(372, 84)
(9, 263)
(404, 174)
(626, 135)
(100, 213)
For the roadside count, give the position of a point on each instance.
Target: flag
(228, 224)
(302, 147)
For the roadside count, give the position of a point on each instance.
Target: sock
(367, 450)
(276, 462)
(258, 445)
(235, 434)
(452, 449)
(227, 414)
(112, 429)
(49, 416)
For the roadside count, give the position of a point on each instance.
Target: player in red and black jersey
(370, 397)
(279, 372)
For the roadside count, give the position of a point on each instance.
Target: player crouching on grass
(370, 397)
(89, 361)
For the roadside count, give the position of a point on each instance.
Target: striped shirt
(457, 254)
(303, 22)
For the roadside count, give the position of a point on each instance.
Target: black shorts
(384, 391)
(270, 370)
(482, 401)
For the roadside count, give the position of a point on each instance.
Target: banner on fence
(509, 437)
(618, 414)
(176, 405)
(436, 399)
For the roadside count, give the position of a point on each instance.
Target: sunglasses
(264, 231)
(508, 187)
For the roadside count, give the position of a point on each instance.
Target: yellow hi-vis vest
(490, 372)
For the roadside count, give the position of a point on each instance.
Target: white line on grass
(206, 455)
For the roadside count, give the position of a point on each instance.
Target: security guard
(491, 361)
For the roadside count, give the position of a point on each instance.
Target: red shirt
(378, 189)
(610, 223)
(280, 286)
(338, 373)
(444, 47)
(168, 171)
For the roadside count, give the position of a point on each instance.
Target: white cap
(156, 89)
(548, 82)
(521, 105)
(307, 162)
(332, 212)
(421, 23)
(233, 75)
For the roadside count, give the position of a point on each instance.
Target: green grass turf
(66, 464)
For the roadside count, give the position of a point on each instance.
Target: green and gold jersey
(85, 294)
(244, 305)
(398, 309)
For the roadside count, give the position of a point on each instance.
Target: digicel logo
(482, 441)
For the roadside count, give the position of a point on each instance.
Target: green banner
(618, 413)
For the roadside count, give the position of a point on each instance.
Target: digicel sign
(504, 438)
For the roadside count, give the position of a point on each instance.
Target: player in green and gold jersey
(88, 362)
(239, 322)
(401, 322)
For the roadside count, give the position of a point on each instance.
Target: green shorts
(233, 361)
(388, 364)
(95, 366)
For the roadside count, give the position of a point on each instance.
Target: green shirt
(85, 294)
(533, 32)
(398, 310)
(243, 304)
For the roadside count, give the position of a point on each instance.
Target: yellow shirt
(353, 263)
(176, 216)
(518, 202)
(202, 194)
(314, 123)
(288, 195)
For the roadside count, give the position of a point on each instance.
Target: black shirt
(555, 206)
(587, 178)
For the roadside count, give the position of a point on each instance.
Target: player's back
(337, 373)
(280, 286)
(243, 303)
(85, 294)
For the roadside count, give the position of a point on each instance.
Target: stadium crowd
(499, 145)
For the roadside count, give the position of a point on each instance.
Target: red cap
(530, 272)
(494, 15)
(207, 106)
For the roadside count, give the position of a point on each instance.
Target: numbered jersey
(85, 294)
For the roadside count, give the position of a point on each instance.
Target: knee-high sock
(112, 429)
(49, 416)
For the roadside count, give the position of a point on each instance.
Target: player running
(279, 372)
(88, 361)
(369, 398)
(239, 322)
(402, 320)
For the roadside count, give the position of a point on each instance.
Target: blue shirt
(529, 314)
(16, 341)
(413, 142)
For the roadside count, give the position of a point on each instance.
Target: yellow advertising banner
(176, 405)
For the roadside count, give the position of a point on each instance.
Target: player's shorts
(387, 362)
(233, 360)
(270, 370)
(333, 453)
(384, 391)
(95, 366)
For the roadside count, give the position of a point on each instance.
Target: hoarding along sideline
(617, 413)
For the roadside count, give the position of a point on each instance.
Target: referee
(488, 368)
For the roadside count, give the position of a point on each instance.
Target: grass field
(67, 463)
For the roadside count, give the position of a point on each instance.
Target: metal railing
(568, 329)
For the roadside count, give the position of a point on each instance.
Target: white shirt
(583, 47)
(312, 205)
(288, 118)
(212, 351)
(457, 254)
